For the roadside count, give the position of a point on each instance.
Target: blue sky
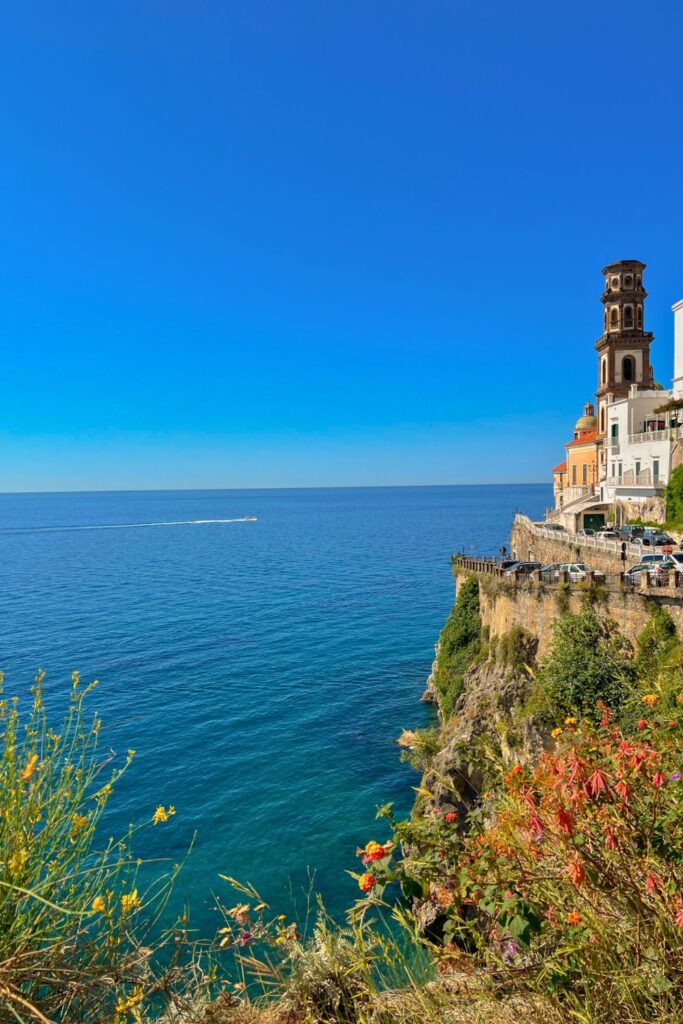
(295, 243)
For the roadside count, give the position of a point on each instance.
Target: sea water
(262, 670)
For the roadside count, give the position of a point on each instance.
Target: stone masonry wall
(529, 547)
(505, 604)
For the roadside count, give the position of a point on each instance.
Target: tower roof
(588, 421)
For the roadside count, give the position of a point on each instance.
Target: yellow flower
(17, 860)
(78, 823)
(30, 768)
(123, 1005)
(570, 721)
(129, 902)
(650, 699)
(103, 794)
(555, 733)
(161, 814)
(239, 913)
(98, 905)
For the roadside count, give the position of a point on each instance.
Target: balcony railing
(633, 479)
(668, 434)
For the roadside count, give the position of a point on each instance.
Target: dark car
(523, 568)
(507, 563)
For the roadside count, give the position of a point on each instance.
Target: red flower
(576, 872)
(652, 883)
(642, 724)
(611, 838)
(658, 780)
(366, 882)
(598, 783)
(623, 790)
(678, 918)
(574, 917)
(451, 816)
(565, 820)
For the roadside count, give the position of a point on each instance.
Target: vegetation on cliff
(459, 645)
(535, 881)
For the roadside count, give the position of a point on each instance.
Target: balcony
(668, 434)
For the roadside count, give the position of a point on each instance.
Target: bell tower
(624, 348)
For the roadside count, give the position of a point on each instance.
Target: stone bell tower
(624, 348)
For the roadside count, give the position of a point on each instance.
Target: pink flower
(658, 780)
(598, 783)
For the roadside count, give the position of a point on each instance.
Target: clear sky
(293, 242)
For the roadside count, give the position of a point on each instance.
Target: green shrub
(674, 496)
(79, 931)
(589, 661)
(459, 644)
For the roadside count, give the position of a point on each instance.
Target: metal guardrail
(615, 582)
(573, 539)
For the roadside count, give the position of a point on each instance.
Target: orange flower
(451, 816)
(374, 851)
(658, 780)
(30, 768)
(366, 882)
(573, 917)
(576, 872)
(650, 699)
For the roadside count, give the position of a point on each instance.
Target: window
(628, 316)
(639, 281)
(655, 471)
(584, 474)
(620, 469)
(603, 368)
(637, 470)
(615, 431)
(628, 281)
(639, 316)
(615, 282)
(602, 420)
(614, 469)
(613, 316)
(573, 476)
(628, 368)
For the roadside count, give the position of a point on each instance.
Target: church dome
(588, 421)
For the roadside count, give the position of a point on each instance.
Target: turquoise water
(261, 670)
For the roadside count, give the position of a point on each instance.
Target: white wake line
(125, 526)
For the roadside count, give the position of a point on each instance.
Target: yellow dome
(588, 421)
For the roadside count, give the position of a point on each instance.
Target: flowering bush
(570, 877)
(78, 933)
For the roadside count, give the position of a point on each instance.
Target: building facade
(620, 460)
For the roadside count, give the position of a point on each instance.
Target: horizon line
(284, 487)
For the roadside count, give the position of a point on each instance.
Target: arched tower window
(603, 370)
(639, 316)
(602, 420)
(628, 316)
(628, 368)
(614, 316)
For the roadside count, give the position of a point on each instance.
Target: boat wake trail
(124, 526)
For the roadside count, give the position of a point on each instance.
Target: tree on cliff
(589, 661)
(674, 496)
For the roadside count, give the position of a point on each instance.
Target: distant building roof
(586, 438)
(562, 468)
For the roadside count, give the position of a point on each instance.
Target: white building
(643, 431)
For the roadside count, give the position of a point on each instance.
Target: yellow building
(578, 475)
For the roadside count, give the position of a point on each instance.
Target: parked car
(585, 532)
(577, 572)
(658, 559)
(656, 571)
(507, 563)
(654, 538)
(629, 532)
(549, 573)
(554, 526)
(607, 534)
(523, 568)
